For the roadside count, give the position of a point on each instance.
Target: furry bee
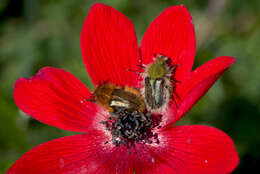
(112, 97)
(157, 84)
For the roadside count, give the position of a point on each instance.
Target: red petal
(199, 81)
(79, 154)
(189, 149)
(171, 34)
(55, 97)
(109, 46)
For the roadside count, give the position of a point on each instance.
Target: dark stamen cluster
(128, 128)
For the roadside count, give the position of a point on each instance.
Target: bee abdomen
(128, 98)
(156, 93)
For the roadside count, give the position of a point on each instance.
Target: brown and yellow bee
(111, 97)
(158, 85)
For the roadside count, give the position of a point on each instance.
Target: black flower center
(128, 128)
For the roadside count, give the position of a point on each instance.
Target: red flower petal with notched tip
(171, 34)
(109, 47)
(189, 149)
(55, 97)
(199, 81)
(184, 149)
(74, 154)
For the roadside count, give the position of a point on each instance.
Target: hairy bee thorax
(157, 84)
(159, 68)
(111, 96)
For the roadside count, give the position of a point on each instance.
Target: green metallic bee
(158, 83)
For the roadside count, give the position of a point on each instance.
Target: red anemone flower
(109, 47)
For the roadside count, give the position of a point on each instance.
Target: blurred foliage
(38, 33)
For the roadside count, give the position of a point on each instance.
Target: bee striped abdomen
(128, 98)
(155, 93)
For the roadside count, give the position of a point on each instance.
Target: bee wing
(148, 92)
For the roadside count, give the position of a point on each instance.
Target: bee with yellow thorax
(113, 97)
(157, 84)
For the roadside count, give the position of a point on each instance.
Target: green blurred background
(38, 33)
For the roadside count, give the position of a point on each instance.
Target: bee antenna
(133, 71)
(141, 66)
(91, 100)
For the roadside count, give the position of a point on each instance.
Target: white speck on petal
(83, 170)
(92, 167)
(153, 160)
(206, 161)
(81, 101)
(62, 163)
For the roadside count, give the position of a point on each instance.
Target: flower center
(128, 128)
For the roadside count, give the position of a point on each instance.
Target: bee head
(103, 92)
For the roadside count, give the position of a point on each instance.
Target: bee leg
(172, 97)
(177, 96)
(175, 81)
(175, 93)
(91, 100)
(174, 67)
